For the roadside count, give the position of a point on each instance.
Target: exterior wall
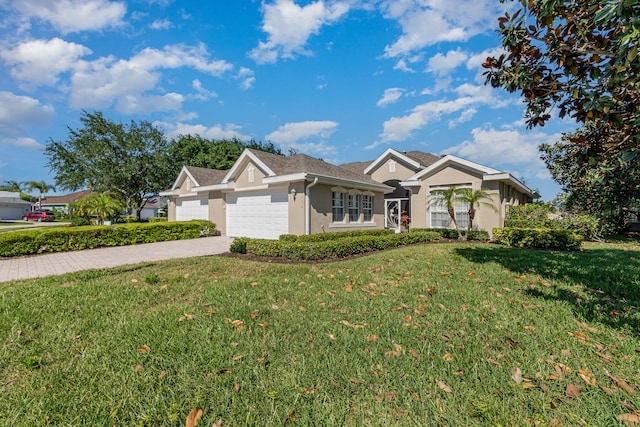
(321, 217)
(242, 178)
(217, 211)
(297, 220)
(171, 209)
(382, 173)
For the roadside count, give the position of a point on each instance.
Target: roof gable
(450, 159)
(256, 157)
(391, 153)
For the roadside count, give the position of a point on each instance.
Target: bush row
(333, 248)
(546, 238)
(321, 237)
(536, 215)
(451, 233)
(75, 238)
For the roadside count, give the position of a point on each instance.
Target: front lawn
(437, 334)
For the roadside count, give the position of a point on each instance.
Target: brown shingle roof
(204, 176)
(301, 163)
(65, 199)
(425, 159)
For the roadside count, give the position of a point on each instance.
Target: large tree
(194, 150)
(127, 160)
(580, 58)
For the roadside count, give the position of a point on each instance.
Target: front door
(393, 209)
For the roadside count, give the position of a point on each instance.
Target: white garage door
(192, 208)
(259, 214)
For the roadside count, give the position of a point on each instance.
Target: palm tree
(102, 205)
(448, 198)
(474, 198)
(42, 187)
(11, 186)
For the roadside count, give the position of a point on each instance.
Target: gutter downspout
(307, 206)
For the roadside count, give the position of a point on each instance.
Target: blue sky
(341, 80)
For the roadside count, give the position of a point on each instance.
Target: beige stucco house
(265, 195)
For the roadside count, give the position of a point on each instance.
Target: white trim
(214, 187)
(339, 189)
(457, 160)
(391, 152)
(253, 188)
(285, 178)
(410, 183)
(505, 176)
(185, 171)
(241, 160)
(352, 224)
(175, 192)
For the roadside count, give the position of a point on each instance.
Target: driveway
(29, 267)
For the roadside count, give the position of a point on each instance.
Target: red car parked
(43, 215)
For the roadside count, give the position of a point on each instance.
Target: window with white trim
(392, 166)
(337, 206)
(353, 202)
(251, 174)
(367, 207)
(440, 214)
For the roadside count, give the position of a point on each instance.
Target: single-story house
(265, 195)
(12, 206)
(62, 202)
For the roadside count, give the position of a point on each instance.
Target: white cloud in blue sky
(338, 79)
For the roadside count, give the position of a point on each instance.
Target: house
(62, 202)
(12, 206)
(265, 195)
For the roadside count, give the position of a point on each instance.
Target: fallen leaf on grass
(331, 337)
(448, 357)
(138, 368)
(621, 383)
(12, 382)
(184, 317)
(355, 381)
(144, 349)
(194, 416)
(444, 387)
(236, 387)
(629, 419)
(372, 337)
(414, 354)
(516, 375)
(388, 396)
(217, 424)
(587, 376)
(572, 390)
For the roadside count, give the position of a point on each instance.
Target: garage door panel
(192, 208)
(263, 215)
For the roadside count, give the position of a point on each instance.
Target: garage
(189, 208)
(258, 214)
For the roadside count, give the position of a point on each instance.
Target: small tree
(42, 187)
(474, 198)
(99, 205)
(447, 198)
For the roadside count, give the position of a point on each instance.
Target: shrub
(239, 245)
(545, 238)
(78, 222)
(335, 246)
(588, 226)
(158, 219)
(451, 233)
(532, 215)
(76, 238)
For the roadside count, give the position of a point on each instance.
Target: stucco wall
(321, 212)
(242, 176)
(382, 174)
(297, 221)
(217, 211)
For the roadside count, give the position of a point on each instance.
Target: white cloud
(40, 62)
(17, 111)
(442, 65)
(289, 26)
(69, 16)
(147, 104)
(506, 147)
(425, 23)
(246, 77)
(22, 142)
(161, 24)
(203, 93)
(218, 131)
(390, 96)
(293, 132)
(103, 82)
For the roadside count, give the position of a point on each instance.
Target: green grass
(442, 334)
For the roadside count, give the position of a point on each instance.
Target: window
(367, 207)
(337, 206)
(392, 166)
(440, 215)
(250, 173)
(354, 207)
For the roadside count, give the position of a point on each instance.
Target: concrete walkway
(67, 262)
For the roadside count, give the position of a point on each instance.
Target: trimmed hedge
(451, 233)
(545, 238)
(321, 237)
(76, 238)
(334, 247)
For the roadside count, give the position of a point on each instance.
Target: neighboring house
(62, 202)
(12, 206)
(265, 195)
(153, 208)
